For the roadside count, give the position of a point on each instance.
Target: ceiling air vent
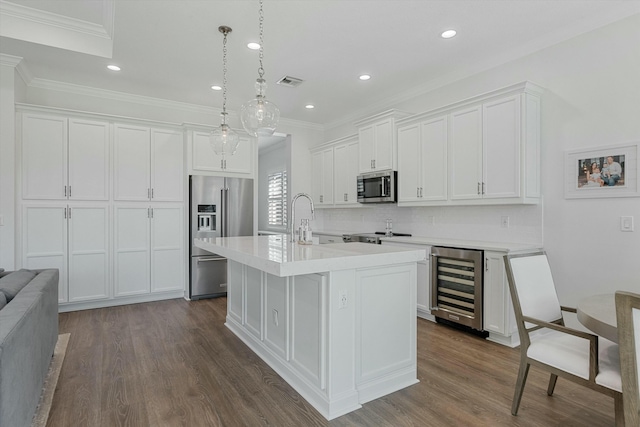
(290, 81)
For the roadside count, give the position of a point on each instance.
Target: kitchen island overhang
(337, 322)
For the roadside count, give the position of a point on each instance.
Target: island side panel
(386, 325)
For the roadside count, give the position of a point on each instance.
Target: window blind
(278, 199)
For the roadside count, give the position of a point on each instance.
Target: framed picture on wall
(609, 171)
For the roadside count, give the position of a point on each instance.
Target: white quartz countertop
(467, 244)
(276, 255)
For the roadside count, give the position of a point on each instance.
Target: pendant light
(223, 139)
(259, 117)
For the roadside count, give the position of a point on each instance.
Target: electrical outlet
(504, 221)
(342, 303)
(626, 223)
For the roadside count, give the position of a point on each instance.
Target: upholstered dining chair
(546, 343)
(628, 316)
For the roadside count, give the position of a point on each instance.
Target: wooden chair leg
(552, 384)
(619, 409)
(522, 379)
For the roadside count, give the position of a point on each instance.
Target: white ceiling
(171, 49)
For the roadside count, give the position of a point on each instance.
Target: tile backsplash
(483, 223)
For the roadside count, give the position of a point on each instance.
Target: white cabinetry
(346, 172)
(69, 218)
(148, 249)
(499, 318)
(148, 164)
(322, 177)
(377, 141)
(334, 171)
(75, 241)
(423, 290)
(422, 160)
(64, 158)
(202, 158)
(494, 148)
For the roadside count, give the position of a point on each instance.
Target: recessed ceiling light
(253, 46)
(448, 34)
(113, 67)
(365, 77)
(309, 107)
(216, 87)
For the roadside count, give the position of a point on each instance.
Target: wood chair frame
(625, 303)
(557, 325)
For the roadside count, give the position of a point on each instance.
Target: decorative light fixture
(259, 117)
(223, 139)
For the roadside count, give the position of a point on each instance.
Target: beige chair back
(535, 287)
(628, 317)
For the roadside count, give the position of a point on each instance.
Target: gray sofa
(28, 335)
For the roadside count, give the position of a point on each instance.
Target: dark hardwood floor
(174, 363)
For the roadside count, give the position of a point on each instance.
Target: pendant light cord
(224, 78)
(261, 53)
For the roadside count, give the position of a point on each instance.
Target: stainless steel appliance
(374, 238)
(378, 187)
(456, 286)
(218, 207)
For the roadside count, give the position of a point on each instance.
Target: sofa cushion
(3, 300)
(13, 283)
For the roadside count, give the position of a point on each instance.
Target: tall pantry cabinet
(77, 172)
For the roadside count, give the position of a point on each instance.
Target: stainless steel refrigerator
(218, 207)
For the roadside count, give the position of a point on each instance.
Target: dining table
(598, 314)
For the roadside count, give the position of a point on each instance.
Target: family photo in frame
(610, 171)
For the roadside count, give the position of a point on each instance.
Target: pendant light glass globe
(259, 116)
(224, 140)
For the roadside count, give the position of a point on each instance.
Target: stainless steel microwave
(378, 187)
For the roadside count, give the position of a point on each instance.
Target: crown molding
(47, 28)
(10, 60)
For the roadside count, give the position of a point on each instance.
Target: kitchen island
(336, 321)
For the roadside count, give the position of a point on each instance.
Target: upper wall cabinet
(490, 145)
(64, 158)
(345, 172)
(422, 160)
(202, 158)
(334, 172)
(377, 141)
(322, 177)
(148, 164)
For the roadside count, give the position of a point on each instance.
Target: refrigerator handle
(226, 212)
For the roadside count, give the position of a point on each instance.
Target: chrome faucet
(293, 213)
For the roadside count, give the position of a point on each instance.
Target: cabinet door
(132, 167)
(423, 295)
(88, 253)
(242, 161)
(366, 149)
(433, 180)
(501, 147)
(409, 163)
(88, 160)
(44, 241)
(497, 301)
(131, 250)
(167, 169)
(204, 158)
(327, 177)
(167, 254)
(322, 177)
(465, 147)
(383, 149)
(44, 157)
(346, 173)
